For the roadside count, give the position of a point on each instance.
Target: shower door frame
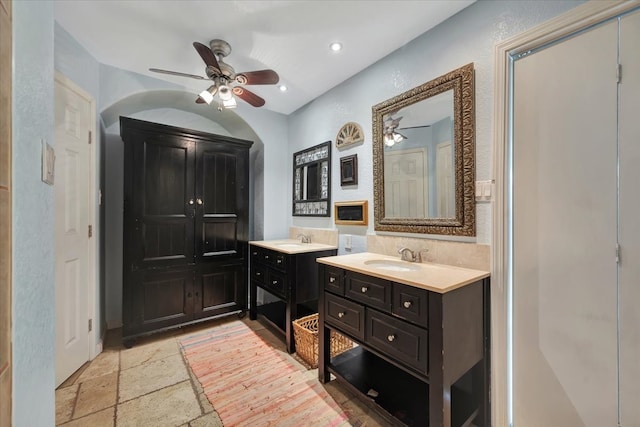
(577, 19)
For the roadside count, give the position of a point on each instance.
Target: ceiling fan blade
(199, 100)
(260, 77)
(415, 127)
(175, 73)
(207, 56)
(248, 96)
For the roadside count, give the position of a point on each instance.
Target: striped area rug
(251, 384)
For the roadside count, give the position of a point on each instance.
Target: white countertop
(292, 246)
(433, 277)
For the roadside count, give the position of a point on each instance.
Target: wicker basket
(305, 335)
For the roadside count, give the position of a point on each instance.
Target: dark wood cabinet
(292, 278)
(186, 207)
(422, 357)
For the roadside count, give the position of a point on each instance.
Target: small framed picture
(349, 170)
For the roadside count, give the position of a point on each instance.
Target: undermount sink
(387, 264)
(289, 245)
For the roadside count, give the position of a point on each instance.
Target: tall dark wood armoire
(186, 227)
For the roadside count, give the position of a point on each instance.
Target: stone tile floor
(151, 385)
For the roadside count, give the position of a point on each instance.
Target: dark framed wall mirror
(312, 181)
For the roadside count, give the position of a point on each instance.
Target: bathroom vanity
(288, 271)
(422, 332)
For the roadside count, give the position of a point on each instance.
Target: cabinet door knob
(391, 337)
(191, 202)
(341, 314)
(406, 304)
(199, 201)
(364, 289)
(275, 282)
(266, 257)
(279, 261)
(332, 279)
(258, 274)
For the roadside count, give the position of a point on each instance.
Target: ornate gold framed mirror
(424, 158)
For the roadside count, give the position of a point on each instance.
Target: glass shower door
(565, 233)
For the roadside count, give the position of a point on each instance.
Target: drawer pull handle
(275, 282)
(391, 337)
(364, 289)
(332, 279)
(407, 304)
(341, 314)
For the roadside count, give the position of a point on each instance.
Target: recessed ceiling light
(335, 46)
(282, 88)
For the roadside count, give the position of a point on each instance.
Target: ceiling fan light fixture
(207, 95)
(391, 139)
(225, 93)
(229, 103)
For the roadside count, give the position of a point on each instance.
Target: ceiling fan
(391, 134)
(223, 74)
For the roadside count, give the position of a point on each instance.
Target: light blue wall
(468, 36)
(33, 239)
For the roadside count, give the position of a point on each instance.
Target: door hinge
(619, 73)
(90, 233)
(90, 325)
(617, 253)
(89, 137)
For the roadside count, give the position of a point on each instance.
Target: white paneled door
(406, 184)
(72, 185)
(576, 234)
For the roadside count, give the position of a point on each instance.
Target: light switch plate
(48, 163)
(484, 191)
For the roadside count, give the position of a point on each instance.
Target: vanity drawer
(258, 273)
(280, 261)
(345, 315)
(369, 290)
(411, 303)
(255, 255)
(276, 283)
(404, 342)
(334, 280)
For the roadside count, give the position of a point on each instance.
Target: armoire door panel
(166, 296)
(166, 172)
(220, 289)
(219, 189)
(164, 204)
(219, 237)
(166, 241)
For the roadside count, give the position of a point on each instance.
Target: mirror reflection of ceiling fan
(391, 134)
(223, 75)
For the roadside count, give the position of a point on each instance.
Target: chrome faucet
(304, 238)
(407, 254)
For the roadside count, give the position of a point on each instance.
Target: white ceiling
(290, 37)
